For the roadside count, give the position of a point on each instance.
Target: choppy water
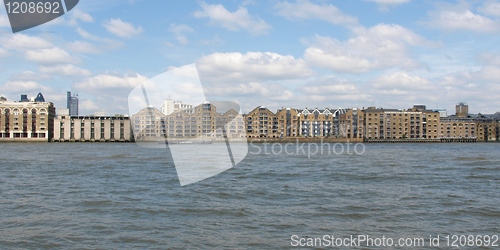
(121, 196)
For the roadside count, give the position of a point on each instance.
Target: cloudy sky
(298, 53)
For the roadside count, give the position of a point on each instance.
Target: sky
(295, 53)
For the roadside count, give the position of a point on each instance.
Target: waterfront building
(287, 122)
(431, 123)
(315, 123)
(290, 122)
(417, 123)
(207, 122)
(488, 130)
(458, 127)
(414, 123)
(461, 125)
(488, 127)
(203, 122)
(92, 129)
(375, 120)
(26, 121)
(232, 122)
(351, 123)
(261, 123)
(149, 124)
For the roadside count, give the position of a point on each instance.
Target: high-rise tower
(72, 104)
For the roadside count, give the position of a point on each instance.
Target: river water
(122, 196)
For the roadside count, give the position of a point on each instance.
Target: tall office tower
(72, 104)
(24, 98)
(40, 98)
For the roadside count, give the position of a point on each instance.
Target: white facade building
(167, 107)
(170, 106)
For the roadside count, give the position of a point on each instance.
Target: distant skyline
(384, 53)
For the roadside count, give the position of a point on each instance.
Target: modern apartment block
(170, 106)
(415, 123)
(351, 124)
(203, 122)
(287, 122)
(316, 122)
(149, 124)
(261, 122)
(26, 120)
(92, 129)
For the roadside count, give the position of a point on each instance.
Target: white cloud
(477, 88)
(50, 56)
(490, 58)
(107, 81)
(384, 4)
(250, 94)
(233, 21)
(460, 17)
(4, 21)
(401, 81)
(122, 29)
(82, 47)
(251, 66)
(3, 52)
(29, 75)
(490, 8)
(381, 46)
(180, 31)
(489, 74)
(82, 16)
(328, 91)
(83, 33)
(106, 42)
(303, 9)
(76, 16)
(20, 86)
(66, 70)
(24, 42)
(88, 106)
(335, 89)
(336, 59)
(389, 2)
(241, 89)
(107, 91)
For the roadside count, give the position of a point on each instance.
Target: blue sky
(387, 53)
